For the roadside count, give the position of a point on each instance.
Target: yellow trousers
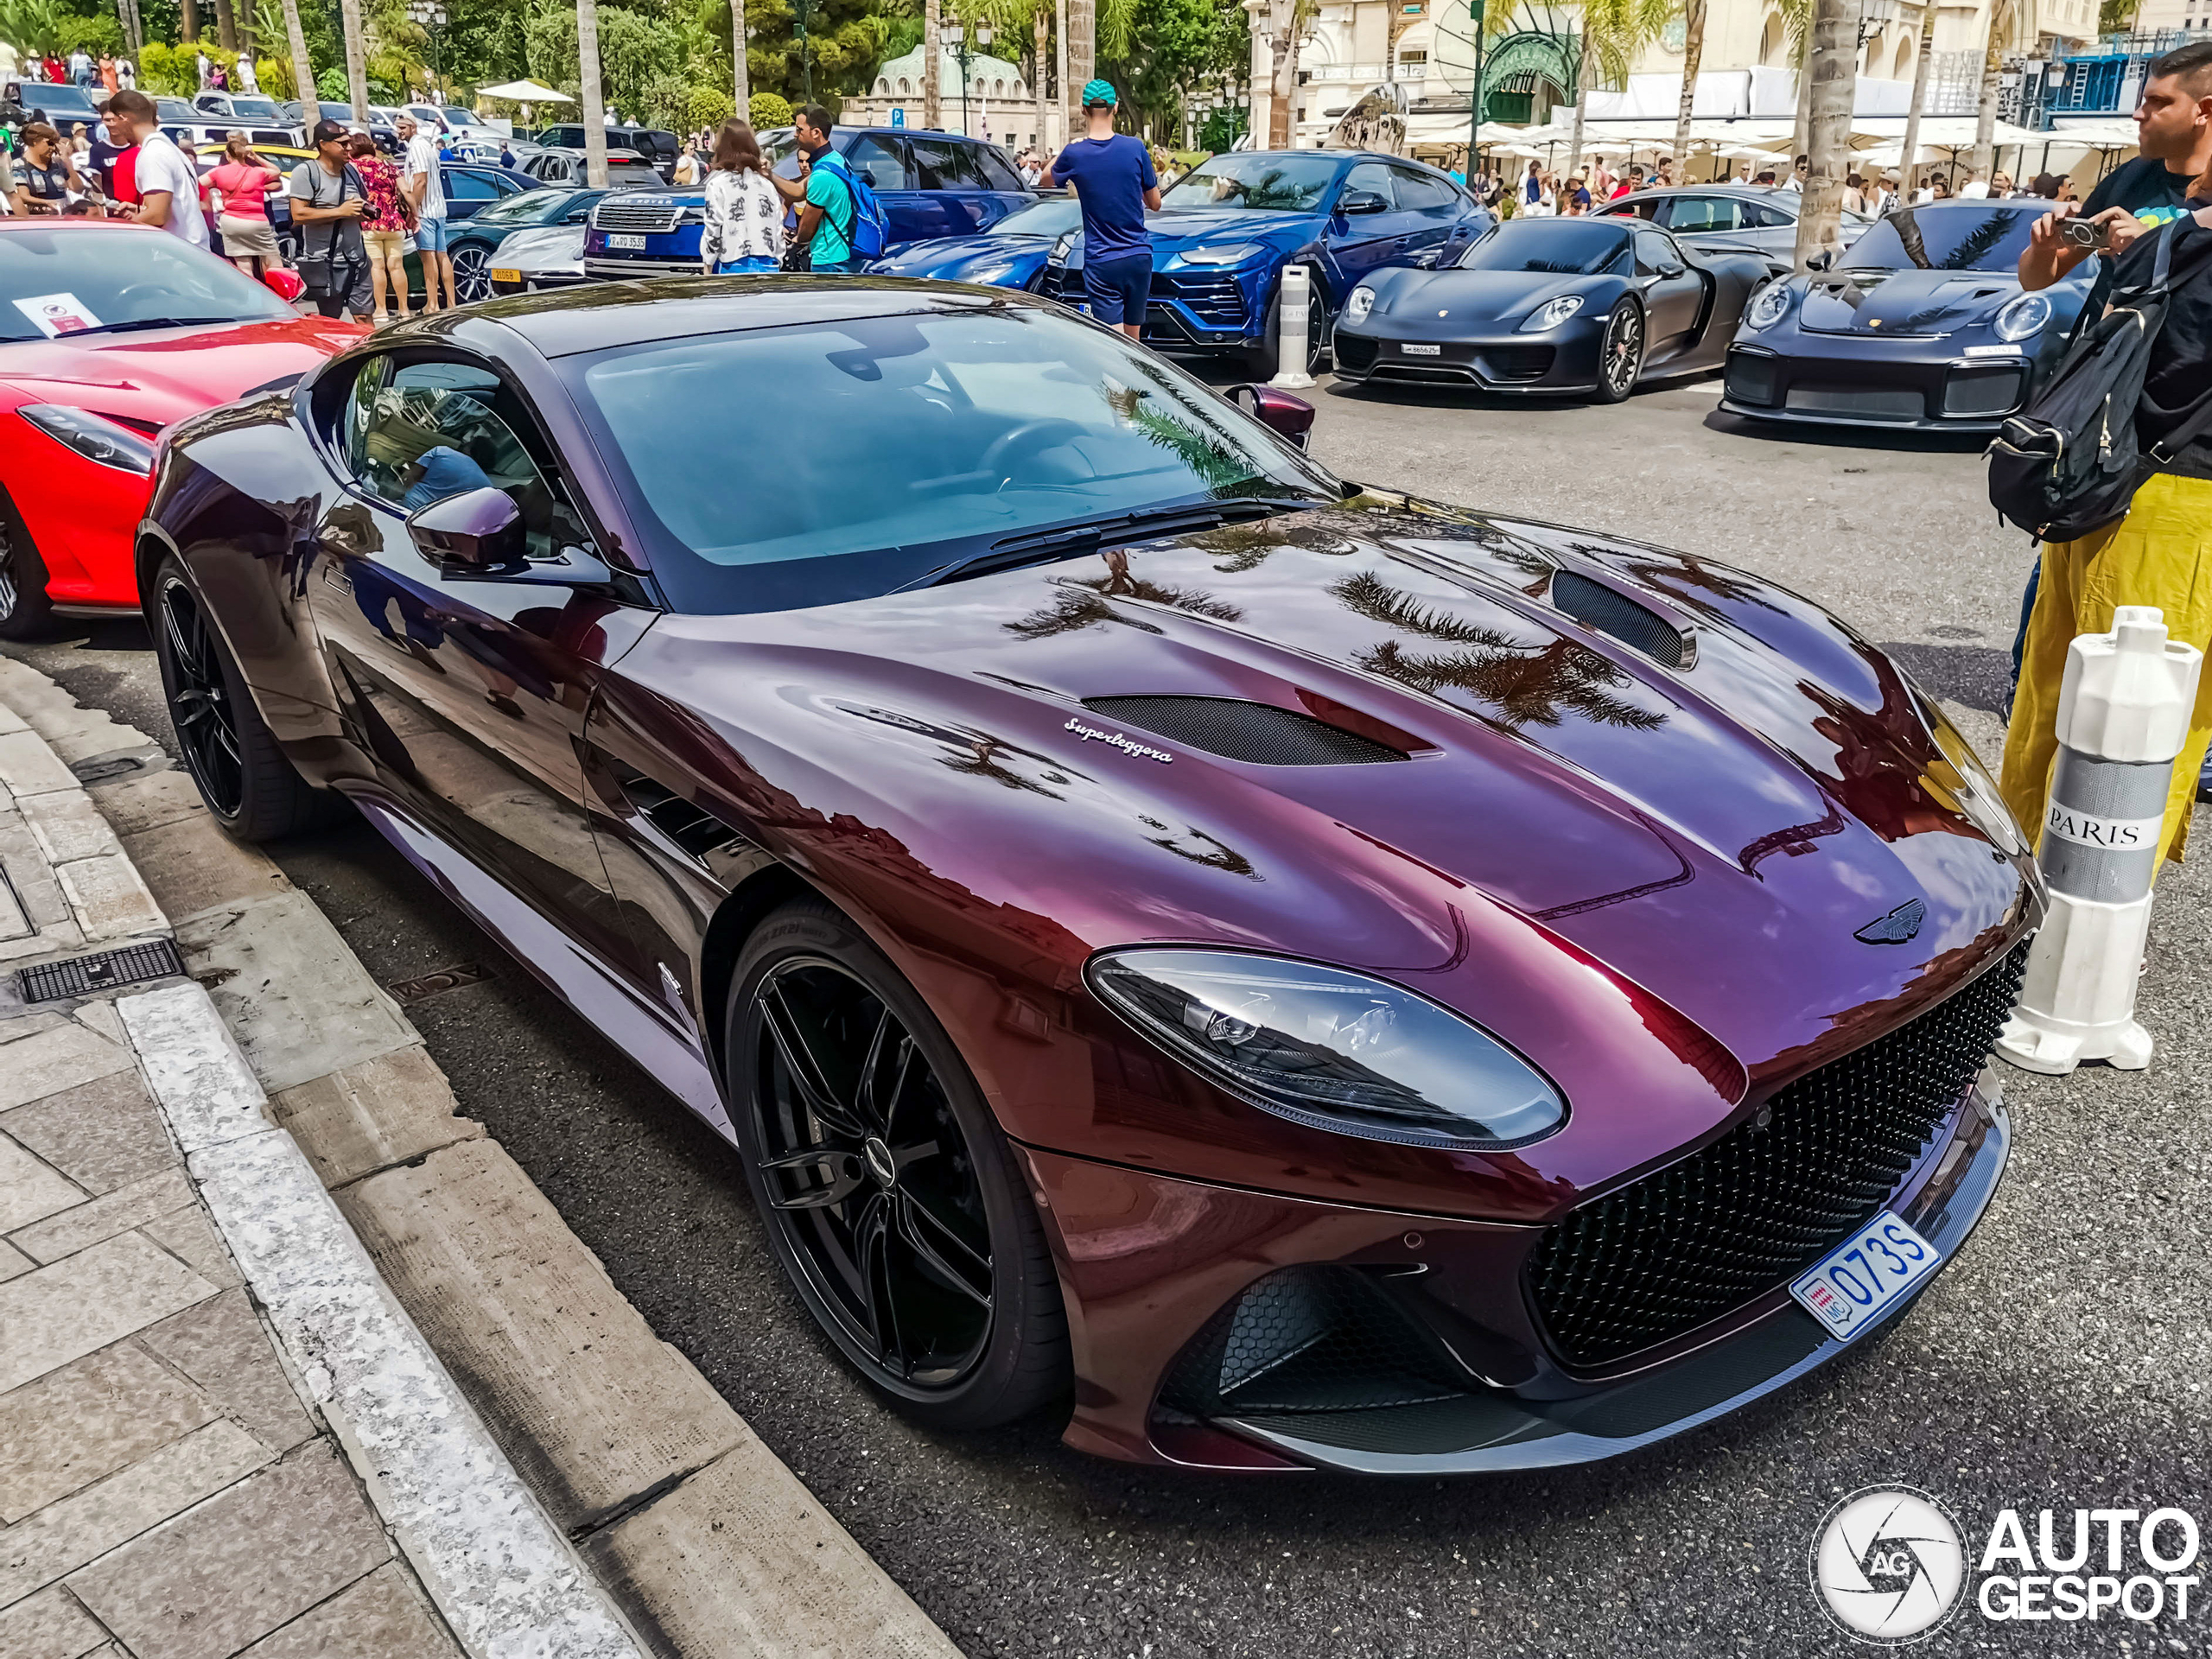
(2161, 554)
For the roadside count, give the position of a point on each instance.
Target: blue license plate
(1854, 1284)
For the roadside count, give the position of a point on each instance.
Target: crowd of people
(1540, 193)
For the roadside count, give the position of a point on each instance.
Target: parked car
(533, 261)
(109, 334)
(379, 125)
(1011, 254)
(1227, 228)
(1922, 322)
(626, 169)
(547, 207)
(659, 147)
(1290, 974)
(931, 184)
(258, 117)
(1731, 218)
(207, 157)
(1579, 306)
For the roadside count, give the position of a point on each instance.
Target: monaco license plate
(628, 243)
(1411, 350)
(501, 273)
(1854, 1284)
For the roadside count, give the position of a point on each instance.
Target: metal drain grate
(82, 975)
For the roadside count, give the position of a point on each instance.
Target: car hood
(1891, 302)
(1469, 296)
(541, 247)
(1737, 833)
(950, 258)
(1174, 229)
(163, 375)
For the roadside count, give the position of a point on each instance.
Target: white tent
(525, 92)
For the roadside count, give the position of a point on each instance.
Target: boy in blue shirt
(1113, 178)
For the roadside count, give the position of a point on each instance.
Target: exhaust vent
(690, 825)
(1596, 605)
(1237, 730)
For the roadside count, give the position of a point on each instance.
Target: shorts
(357, 298)
(385, 245)
(1117, 289)
(431, 235)
(247, 238)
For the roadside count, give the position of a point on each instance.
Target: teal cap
(1097, 92)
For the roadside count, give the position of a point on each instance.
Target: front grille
(652, 217)
(1762, 1204)
(1256, 732)
(1518, 362)
(1749, 379)
(1868, 403)
(1354, 352)
(1216, 300)
(1982, 391)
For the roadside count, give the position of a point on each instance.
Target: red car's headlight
(93, 436)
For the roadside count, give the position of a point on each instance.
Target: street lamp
(429, 16)
(962, 51)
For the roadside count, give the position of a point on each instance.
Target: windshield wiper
(137, 323)
(1066, 541)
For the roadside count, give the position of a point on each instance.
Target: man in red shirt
(118, 158)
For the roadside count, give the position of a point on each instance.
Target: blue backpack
(866, 231)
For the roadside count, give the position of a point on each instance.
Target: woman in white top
(744, 217)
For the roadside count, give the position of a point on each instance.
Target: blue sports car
(1008, 254)
(1226, 230)
(1921, 323)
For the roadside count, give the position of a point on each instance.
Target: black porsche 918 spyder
(1920, 324)
(1551, 306)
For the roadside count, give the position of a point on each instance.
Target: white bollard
(2123, 714)
(1291, 341)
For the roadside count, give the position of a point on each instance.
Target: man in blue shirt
(1113, 178)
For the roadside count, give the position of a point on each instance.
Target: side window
(1762, 217)
(878, 162)
(997, 170)
(1695, 214)
(1374, 177)
(942, 164)
(465, 184)
(1421, 193)
(420, 432)
(1653, 250)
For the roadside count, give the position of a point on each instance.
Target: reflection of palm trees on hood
(1082, 601)
(1687, 577)
(1522, 684)
(1246, 547)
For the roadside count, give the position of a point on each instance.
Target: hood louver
(1597, 607)
(1258, 733)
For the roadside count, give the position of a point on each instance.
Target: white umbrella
(525, 92)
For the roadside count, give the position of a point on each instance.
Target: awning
(525, 92)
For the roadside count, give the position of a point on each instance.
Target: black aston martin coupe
(1551, 306)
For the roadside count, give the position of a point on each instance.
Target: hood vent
(1256, 732)
(1596, 605)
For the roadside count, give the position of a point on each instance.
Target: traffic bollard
(1290, 340)
(2123, 714)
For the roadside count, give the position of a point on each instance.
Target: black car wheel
(1620, 354)
(26, 612)
(1266, 359)
(471, 272)
(888, 1191)
(251, 788)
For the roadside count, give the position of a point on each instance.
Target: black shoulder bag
(332, 277)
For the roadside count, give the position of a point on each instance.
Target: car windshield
(1290, 184)
(58, 102)
(531, 207)
(1053, 217)
(897, 445)
(1944, 236)
(1557, 247)
(77, 279)
(171, 112)
(631, 171)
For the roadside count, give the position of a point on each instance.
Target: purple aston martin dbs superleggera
(1284, 973)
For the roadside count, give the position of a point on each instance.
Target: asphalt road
(2060, 1363)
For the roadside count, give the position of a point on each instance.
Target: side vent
(690, 826)
(1237, 730)
(1640, 628)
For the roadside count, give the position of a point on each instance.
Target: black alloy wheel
(26, 612)
(1620, 354)
(888, 1191)
(471, 272)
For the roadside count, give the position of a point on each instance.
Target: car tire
(878, 1266)
(1267, 357)
(471, 272)
(26, 609)
(1620, 352)
(251, 789)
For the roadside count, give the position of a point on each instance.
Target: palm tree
(295, 42)
(593, 101)
(1613, 32)
(740, 71)
(1282, 49)
(1921, 63)
(357, 68)
(1692, 55)
(1993, 63)
(1081, 18)
(1833, 70)
(933, 70)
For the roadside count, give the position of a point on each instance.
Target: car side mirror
(1670, 270)
(1280, 413)
(476, 533)
(285, 284)
(1361, 201)
(1821, 260)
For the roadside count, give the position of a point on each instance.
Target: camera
(2086, 233)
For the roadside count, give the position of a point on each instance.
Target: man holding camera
(2175, 118)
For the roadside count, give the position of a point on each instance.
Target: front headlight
(1767, 307)
(1552, 313)
(991, 270)
(695, 214)
(92, 437)
(1330, 1049)
(1361, 303)
(2022, 317)
(1962, 775)
(1226, 253)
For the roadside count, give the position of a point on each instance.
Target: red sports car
(109, 333)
